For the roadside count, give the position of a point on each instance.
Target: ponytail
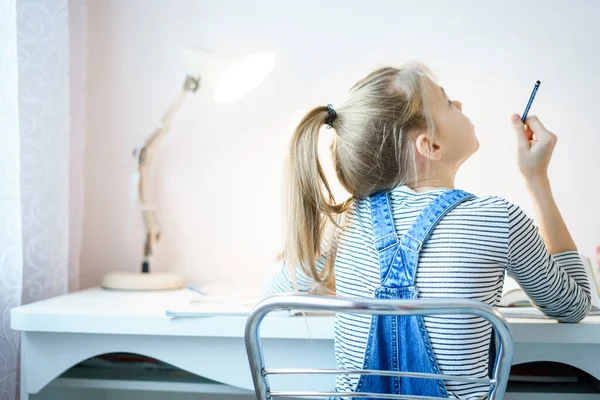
(308, 207)
(372, 151)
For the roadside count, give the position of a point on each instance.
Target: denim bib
(400, 342)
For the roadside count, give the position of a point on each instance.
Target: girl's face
(456, 137)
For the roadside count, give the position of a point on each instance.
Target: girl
(406, 232)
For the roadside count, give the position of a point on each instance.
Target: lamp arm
(144, 160)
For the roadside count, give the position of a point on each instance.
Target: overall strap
(386, 240)
(383, 222)
(412, 241)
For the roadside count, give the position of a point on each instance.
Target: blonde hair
(371, 151)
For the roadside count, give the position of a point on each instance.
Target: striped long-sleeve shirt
(465, 257)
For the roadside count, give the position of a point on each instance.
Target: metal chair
(260, 373)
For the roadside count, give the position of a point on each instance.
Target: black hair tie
(331, 116)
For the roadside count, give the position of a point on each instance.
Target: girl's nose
(457, 104)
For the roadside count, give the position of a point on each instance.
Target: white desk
(59, 333)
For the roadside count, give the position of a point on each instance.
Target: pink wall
(218, 173)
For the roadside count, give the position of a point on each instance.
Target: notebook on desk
(216, 301)
(226, 301)
(238, 301)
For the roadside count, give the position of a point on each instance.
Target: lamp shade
(233, 78)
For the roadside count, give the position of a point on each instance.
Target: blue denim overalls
(401, 343)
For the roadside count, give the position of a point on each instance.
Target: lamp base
(142, 281)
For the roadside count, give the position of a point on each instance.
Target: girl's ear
(428, 147)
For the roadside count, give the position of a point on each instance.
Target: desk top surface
(99, 311)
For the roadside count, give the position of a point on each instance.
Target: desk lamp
(237, 81)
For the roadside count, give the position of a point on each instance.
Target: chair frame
(500, 373)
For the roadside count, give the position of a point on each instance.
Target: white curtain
(41, 140)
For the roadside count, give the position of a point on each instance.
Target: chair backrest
(260, 374)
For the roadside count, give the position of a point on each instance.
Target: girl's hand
(534, 146)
